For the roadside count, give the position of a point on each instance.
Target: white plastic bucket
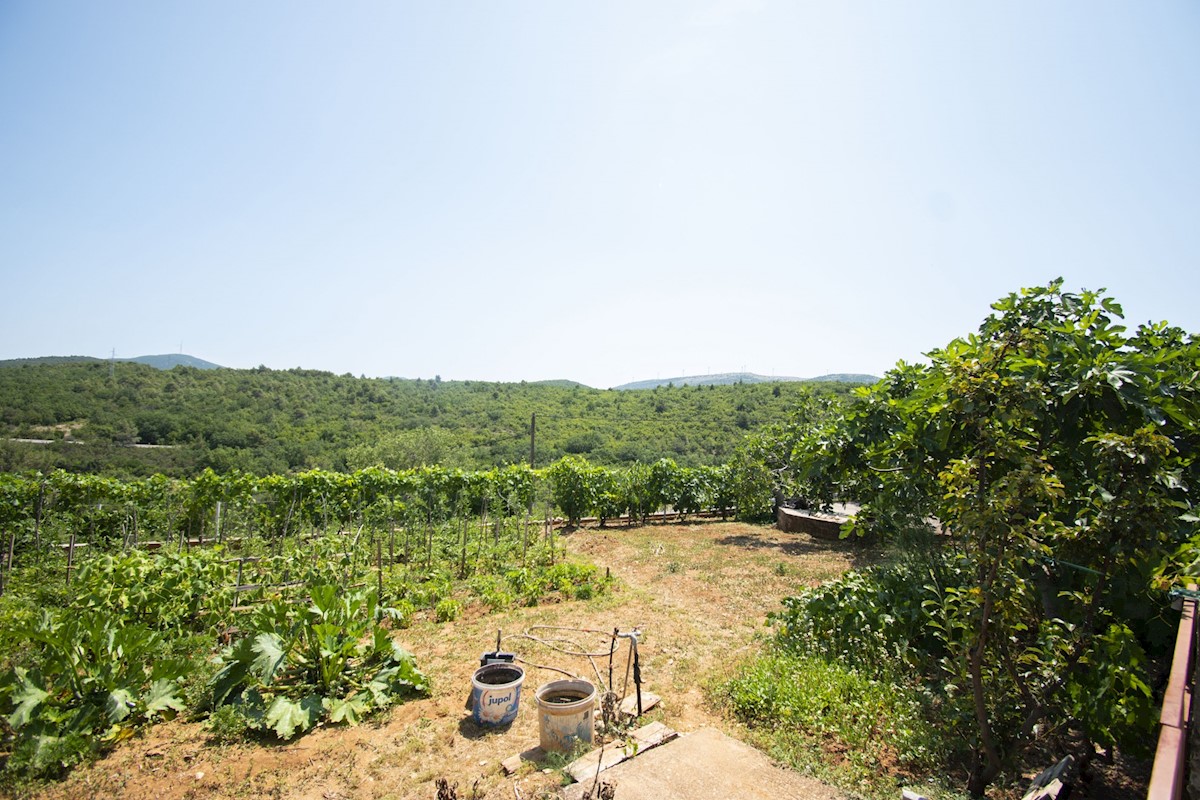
(565, 714)
(496, 693)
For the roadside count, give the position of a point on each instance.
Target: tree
(1055, 451)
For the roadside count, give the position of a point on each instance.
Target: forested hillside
(271, 421)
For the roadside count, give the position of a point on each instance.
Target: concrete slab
(707, 765)
(645, 738)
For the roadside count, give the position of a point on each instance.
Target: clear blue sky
(598, 191)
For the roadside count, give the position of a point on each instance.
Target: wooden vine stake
(6, 573)
(462, 559)
(379, 574)
(37, 521)
(524, 539)
(429, 543)
(483, 536)
(70, 557)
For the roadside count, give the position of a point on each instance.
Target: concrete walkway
(706, 765)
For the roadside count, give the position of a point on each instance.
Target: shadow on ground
(801, 544)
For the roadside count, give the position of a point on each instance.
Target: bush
(872, 620)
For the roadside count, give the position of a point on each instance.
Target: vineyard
(72, 511)
(267, 605)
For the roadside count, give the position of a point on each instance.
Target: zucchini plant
(329, 661)
(90, 680)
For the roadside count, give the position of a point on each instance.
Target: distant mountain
(561, 383)
(726, 378)
(847, 377)
(171, 360)
(158, 362)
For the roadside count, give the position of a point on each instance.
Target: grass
(700, 621)
(863, 735)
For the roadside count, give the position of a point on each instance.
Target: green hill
(48, 360)
(265, 421)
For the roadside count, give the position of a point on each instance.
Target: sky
(601, 192)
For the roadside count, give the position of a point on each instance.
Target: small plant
(447, 610)
(493, 591)
(560, 761)
(229, 724)
(400, 614)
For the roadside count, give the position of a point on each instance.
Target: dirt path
(699, 593)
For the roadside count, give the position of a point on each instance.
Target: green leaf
(26, 697)
(350, 709)
(162, 697)
(285, 715)
(118, 705)
(269, 656)
(231, 676)
(324, 599)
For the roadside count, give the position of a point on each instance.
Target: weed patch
(812, 713)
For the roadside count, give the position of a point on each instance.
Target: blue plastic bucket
(496, 693)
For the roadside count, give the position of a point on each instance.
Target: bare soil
(698, 592)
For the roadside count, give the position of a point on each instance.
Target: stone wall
(821, 526)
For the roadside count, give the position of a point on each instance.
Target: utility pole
(532, 439)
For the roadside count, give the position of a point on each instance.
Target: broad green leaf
(350, 709)
(323, 598)
(228, 681)
(269, 656)
(118, 705)
(25, 697)
(162, 697)
(286, 716)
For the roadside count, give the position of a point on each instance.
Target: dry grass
(699, 592)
